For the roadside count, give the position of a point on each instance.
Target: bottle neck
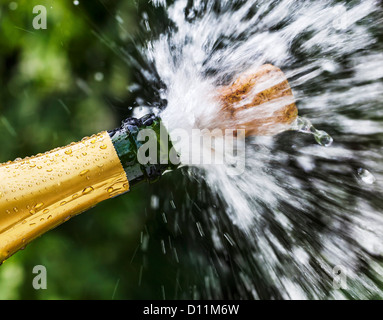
(133, 139)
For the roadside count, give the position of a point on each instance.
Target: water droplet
(154, 202)
(84, 153)
(304, 125)
(49, 170)
(75, 196)
(49, 217)
(38, 206)
(87, 190)
(110, 189)
(15, 209)
(32, 166)
(229, 239)
(84, 172)
(163, 246)
(323, 138)
(98, 76)
(32, 211)
(39, 167)
(63, 203)
(13, 6)
(366, 176)
(68, 152)
(103, 147)
(200, 230)
(46, 211)
(126, 185)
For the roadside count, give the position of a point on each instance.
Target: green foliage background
(58, 85)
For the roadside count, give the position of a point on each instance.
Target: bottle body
(41, 192)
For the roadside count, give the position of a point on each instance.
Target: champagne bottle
(41, 192)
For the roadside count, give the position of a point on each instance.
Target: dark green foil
(127, 145)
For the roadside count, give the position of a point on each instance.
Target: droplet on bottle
(63, 203)
(68, 152)
(49, 170)
(87, 190)
(38, 206)
(366, 176)
(32, 166)
(46, 211)
(39, 167)
(84, 172)
(103, 147)
(110, 189)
